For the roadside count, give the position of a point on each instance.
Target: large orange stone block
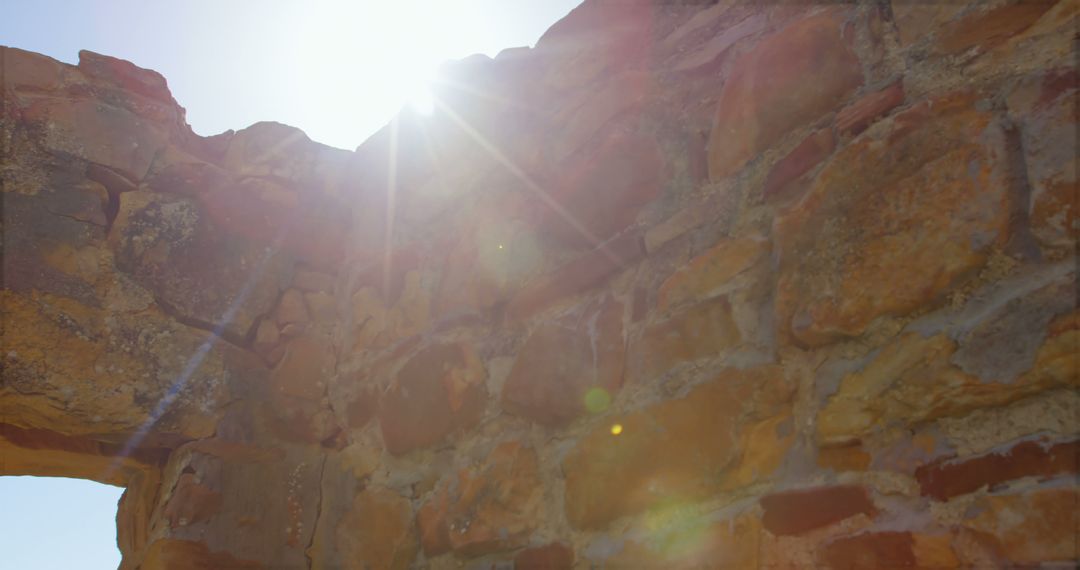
(670, 453)
(377, 532)
(710, 270)
(914, 380)
(791, 78)
(699, 331)
(895, 219)
(889, 549)
(1030, 528)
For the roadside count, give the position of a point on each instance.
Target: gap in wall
(58, 523)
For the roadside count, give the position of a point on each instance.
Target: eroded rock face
(731, 285)
(767, 93)
(668, 453)
(866, 242)
(569, 367)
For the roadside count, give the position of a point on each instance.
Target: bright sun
(371, 58)
(344, 68)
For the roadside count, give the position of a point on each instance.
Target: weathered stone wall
(731, 286)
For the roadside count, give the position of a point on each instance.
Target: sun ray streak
(529, 183)
(391, 194)
(465, 88)
(196, 358)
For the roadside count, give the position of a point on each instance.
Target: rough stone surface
(698, 285)
(1046, 108)
(912, 380)
(766, 93)
(563, 364)
(699, 331)
(797, 512)
(670, 452)
(710, 270)
(786, 179)
(439, 390)
(949, 478)
(869, 240)
(855, 118)
(1039, 526)
(732, 543)
(489, 508)
(377, 532)
(548, 557)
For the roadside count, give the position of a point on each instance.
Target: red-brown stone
(191, 502)
(797, 512)
(590, 348)
(871, 551)
(948, 478)
(377, 531)
(490, 508)
(986, 29)
(577, 276)
(259, 212)
(304, 370)
(125, 75)
(780, 183)
(699, 331)
(554, 556)
(602, 192)
(360, 410)
(788, 80)
(173, 554)
(855, 118)
(438, 391)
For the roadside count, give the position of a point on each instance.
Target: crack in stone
(318, 515)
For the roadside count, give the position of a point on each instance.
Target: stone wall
(742, 285)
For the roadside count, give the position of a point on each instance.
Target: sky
(338, 69)
(55, 523)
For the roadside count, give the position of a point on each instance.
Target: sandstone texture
(685, 285)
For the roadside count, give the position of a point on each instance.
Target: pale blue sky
(338, 69)
(54, 523)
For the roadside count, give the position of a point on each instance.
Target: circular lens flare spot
(597, 400)
(616, 429)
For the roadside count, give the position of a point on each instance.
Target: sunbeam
(196, 358)
(535, 188)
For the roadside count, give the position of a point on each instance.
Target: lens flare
(597, 400)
